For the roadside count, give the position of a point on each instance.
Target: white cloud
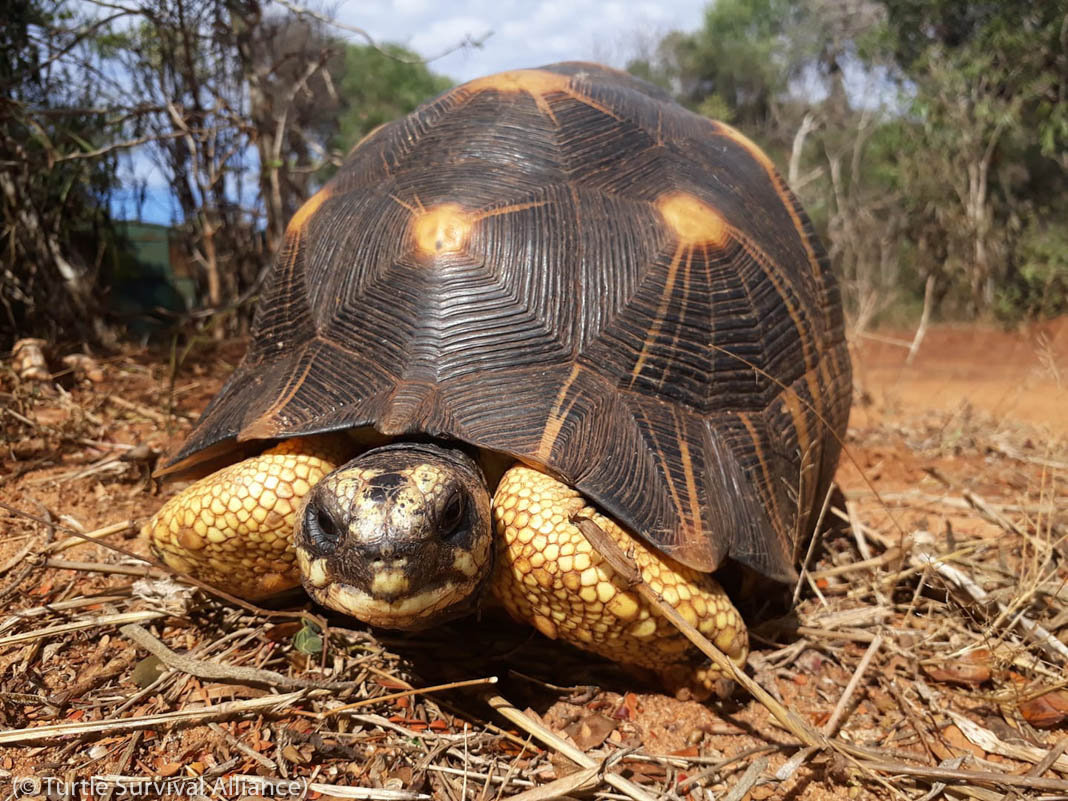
(525, 34)
(412, 8)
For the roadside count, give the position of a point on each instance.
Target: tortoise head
(400, 537)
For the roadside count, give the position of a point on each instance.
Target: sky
(524, 33)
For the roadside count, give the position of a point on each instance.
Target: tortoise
(545, 294)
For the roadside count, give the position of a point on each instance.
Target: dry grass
(926, 656)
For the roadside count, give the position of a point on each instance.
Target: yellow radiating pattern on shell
(441, 229)
(549, 575)
(234, 528)
(692, 220)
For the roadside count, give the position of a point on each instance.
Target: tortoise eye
(452, 516)
(323, 530)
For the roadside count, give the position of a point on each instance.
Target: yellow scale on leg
(548, 574)
(235, 528)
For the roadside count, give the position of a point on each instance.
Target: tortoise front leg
(234, 528)
(547, 574)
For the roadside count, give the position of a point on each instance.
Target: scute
(565, 266)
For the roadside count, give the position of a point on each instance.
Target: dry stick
(19, 557)
(235, 673)
(862, 546)
(626, 568)
(124, 761)
(939, 787)
(78, 625)
(980, 505)
(505, 708)
(196, 716)
(248, 751)
(970, 776)
(144, 571)
(858, 534)
(790, 766)
(61, 606)
(892, 554)
(141, 409)
(812, 543)
(831, 726)
(717, 765)
(1054, 754)
(954, 502)
(925, 317)
(901, 343)
(1046, 763)
(523, 744)
(452, 685)
(749, 778)
(488, 778)
(623, 565)
(1050, 758)
(81, 539)
(582, 780)
(184, 577)
(1039, 635)
(991, 743)
(850, 635)
(870, 532)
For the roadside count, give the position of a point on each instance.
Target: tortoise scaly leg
(234, 528)
(547, 574)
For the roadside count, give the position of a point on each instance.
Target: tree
(290, 65)
(236, 107)
(988, 84)
(734, 67)
(56, 173)
(927, 138)
(379, 84)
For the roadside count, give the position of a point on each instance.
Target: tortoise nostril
(323, 531)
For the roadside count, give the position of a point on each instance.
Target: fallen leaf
(957, 742)
(628, 710)
(298, 754)
(971, 669)
(591, 730)
(1046, 711)
(283, 632)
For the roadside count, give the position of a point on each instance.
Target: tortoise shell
(565, 266)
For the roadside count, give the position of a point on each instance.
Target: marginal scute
(750, 146)
(692, 221)
(299, 220)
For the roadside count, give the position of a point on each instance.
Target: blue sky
(524, 33)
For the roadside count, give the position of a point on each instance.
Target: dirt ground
(938, 591)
